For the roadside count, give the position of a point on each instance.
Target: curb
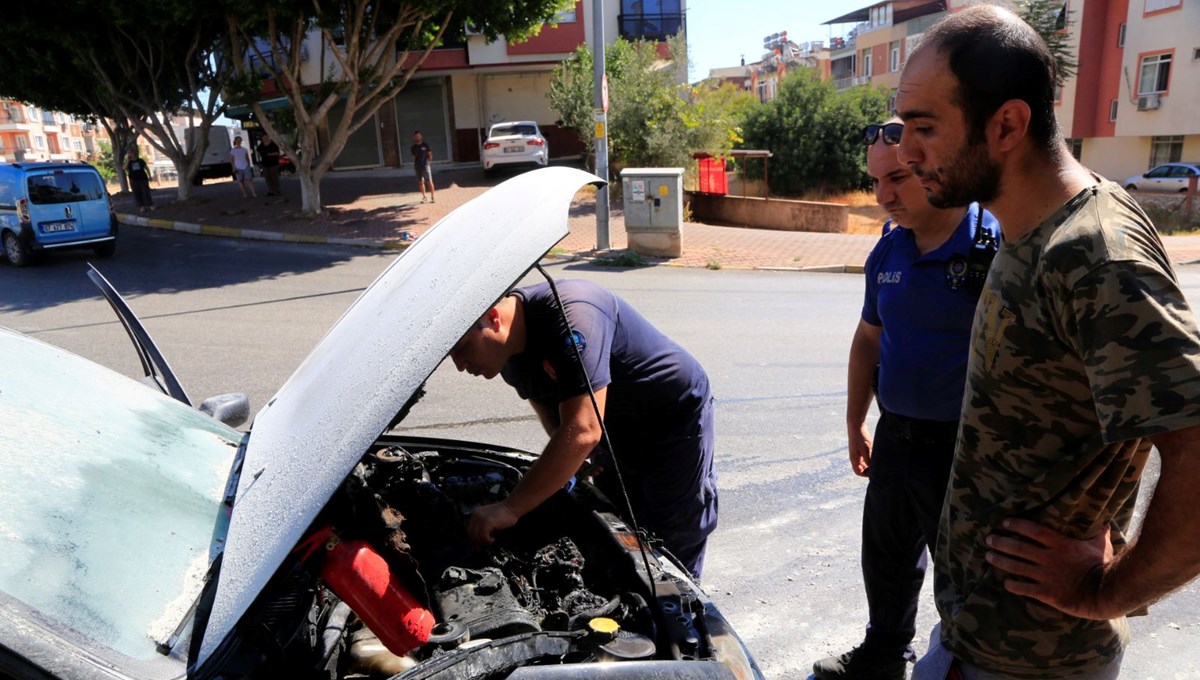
(255, 234)
(280, 237)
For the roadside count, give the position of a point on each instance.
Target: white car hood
(310, 435)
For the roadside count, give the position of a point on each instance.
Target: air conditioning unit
(1148, 102)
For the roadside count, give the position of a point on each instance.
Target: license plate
(513, 149)
(54, 227)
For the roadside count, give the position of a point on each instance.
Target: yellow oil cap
(604, 628)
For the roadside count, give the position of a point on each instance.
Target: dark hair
(416, 132)
(997, 57)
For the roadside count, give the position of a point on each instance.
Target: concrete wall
(1116, 157)
(775, 213)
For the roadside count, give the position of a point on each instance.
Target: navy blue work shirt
(926, 308)
(655, 388)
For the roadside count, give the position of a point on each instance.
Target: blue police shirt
(926, 308)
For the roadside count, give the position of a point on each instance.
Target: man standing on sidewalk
(422, 155)
(268, 155)
(1084, 353)
(923, 280)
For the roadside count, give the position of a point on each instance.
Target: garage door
(421, 105)
(362, 149)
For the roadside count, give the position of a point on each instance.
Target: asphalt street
(783, 564)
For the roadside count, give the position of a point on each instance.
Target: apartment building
(28, 134)
(783, 56)
(464, 87)
(1132, 103)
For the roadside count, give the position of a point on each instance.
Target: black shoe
(862, 663)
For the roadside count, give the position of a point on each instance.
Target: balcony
(653, 27)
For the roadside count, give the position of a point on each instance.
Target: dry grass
(866, 217)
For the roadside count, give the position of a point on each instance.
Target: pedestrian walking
(1084, 354)
(922, 283)
(239, 158)
(139, 180)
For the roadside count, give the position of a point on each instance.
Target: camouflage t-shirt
(1082, 346)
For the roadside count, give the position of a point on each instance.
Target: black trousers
(910, 467)
(141, 192)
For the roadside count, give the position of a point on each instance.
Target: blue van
(45, 206)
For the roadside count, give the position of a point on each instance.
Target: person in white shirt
(239, 157)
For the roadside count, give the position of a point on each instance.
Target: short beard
(972, 177)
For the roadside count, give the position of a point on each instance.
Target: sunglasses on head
(890, 131)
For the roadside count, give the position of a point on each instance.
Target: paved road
(235, 315)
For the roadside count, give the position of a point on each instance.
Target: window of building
(1121, 36)
(39, 141)
(1153, 6)
(22, 143)
(894, 58)
(1155, 74)
(867, 63)
(567, 16)
(1112, 111)
(650, 19)
(1075, 144)
(1196, 54)
(1168, 149)
(78, 145)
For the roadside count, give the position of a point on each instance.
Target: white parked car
(1165, 177)
(515, 143)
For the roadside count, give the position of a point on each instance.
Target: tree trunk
(184, 186)
(310, 191)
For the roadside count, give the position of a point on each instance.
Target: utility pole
(600, 100)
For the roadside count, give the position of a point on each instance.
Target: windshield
(507, 130)
(108, 499)
(65, 186)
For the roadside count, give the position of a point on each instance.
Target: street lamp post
(600, 100)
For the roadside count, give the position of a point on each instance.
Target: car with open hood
(143, 538)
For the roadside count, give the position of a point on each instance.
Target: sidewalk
(378, 208)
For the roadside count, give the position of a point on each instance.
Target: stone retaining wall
(771, 213)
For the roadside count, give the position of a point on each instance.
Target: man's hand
(487, 520)
(1062, 572)
(860, 449)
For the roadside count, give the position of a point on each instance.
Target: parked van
(45, 206)
(215, 164)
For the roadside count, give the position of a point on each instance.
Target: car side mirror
(233, 409)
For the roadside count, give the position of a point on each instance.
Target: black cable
(637, 531)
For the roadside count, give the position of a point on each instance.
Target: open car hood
(315, 429)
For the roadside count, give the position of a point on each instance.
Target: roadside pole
(600, 100)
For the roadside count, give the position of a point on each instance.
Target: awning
(268, 104)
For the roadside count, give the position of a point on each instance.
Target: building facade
(1132, 103)
(464, 87)
(30, 134)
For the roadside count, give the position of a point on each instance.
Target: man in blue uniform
(653, 396)
(923, 280)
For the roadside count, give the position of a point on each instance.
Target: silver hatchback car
(515, 143)
(1165, 177)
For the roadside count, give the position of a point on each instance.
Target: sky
(720, 32)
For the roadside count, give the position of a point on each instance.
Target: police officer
(922, 283)
(653, 396)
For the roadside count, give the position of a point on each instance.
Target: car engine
(566, 585)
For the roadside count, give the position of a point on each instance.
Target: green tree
(654, 117)
(105, 164)
(365, 52)
(814, 133)
(1052, 20)
(137, 65)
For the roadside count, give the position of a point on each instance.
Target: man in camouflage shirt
(1084, 354)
